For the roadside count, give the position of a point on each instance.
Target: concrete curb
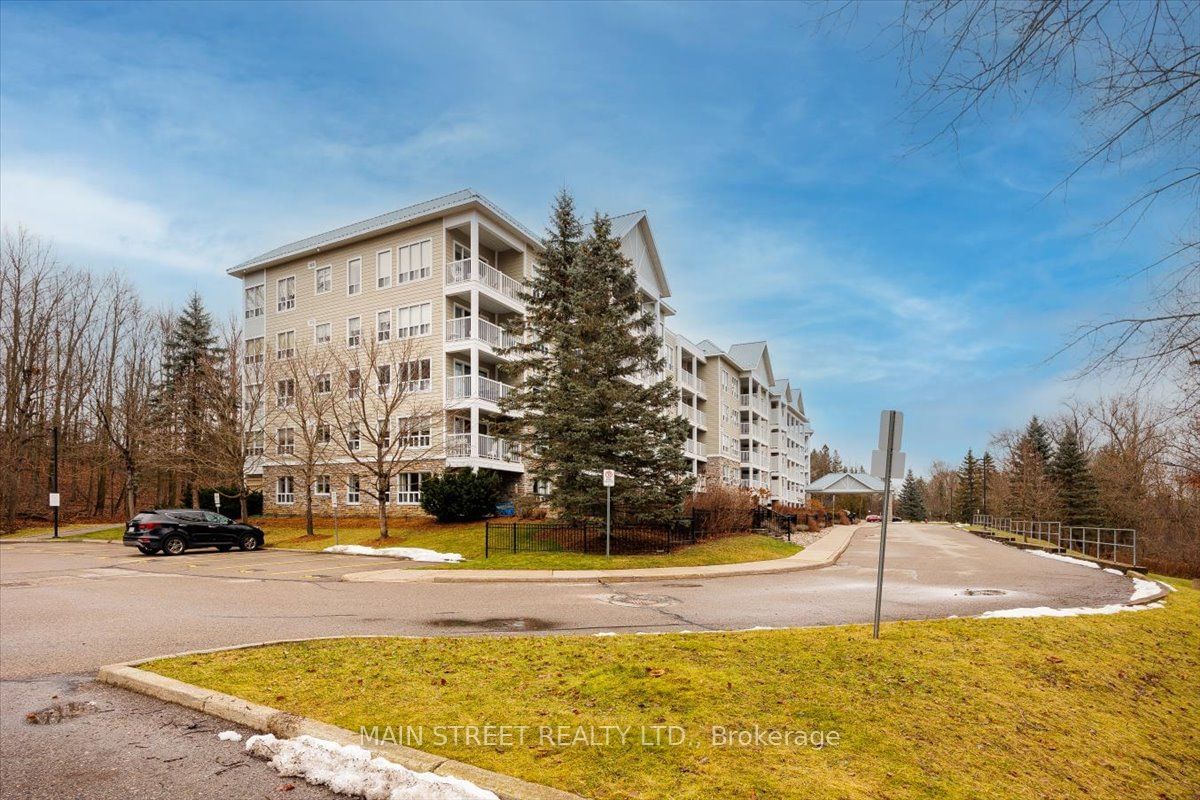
(284, 725)
(822, 553)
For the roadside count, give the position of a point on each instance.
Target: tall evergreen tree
(184, 403)
(1078, 492)
(987, 469)
(968, 488)
(1030, 490)
(912, 499)
(1040, 438)
(593, 398)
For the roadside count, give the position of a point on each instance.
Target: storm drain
(984, 592)
(642, 600)
(60, 711)
(496, 623)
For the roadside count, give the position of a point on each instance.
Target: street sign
(879, 464)
(333, 497)
(217, 501)
(55, 500)
(894, 427)
(610, 477)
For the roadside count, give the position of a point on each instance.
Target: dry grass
(1023, 709)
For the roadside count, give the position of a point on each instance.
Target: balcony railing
(756, 402)
(458, 445)
(693, 415)
(460, 330)
(465, 271)
(693, 448)
(756, 458)
(469, 387)
(693, 382)
(758, 431)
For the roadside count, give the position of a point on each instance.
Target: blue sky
(777, 162)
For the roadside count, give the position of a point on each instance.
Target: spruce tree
(912, 499)
(1078, 492)
(1040, 438)
(987, 468)
(594, 397)
(968, 488)
(1030, 490)
(183, 402)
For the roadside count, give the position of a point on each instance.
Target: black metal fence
(587, 537)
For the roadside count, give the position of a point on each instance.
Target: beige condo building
(431, 288)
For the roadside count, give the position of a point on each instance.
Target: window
(285, 345)
(383, 326)
(383, 269)
(353, 382)
(408, 487)
(385, 436)
(285, 489)
(285, 294)
(254, 351)
(383, 377)
(323, 333)
(254, 443)
(285, 442)
(416, 375)
(285, 393)
(416, 432)
(321, 485)
(354, 276)
(324, 433)
(352, 495)
(416, 261)
(254, 301)
(324, 279)
(414, 320)
(251, 394)
(353, 439)
(541, 487)
(324, 383)
(353, 332)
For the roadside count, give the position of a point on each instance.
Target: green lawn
(467, 540)
(1100, 706)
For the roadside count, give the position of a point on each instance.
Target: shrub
(728, 509)
(460, 495)
(529, 506)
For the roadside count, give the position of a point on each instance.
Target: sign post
(886, 462)
(610, 480)
(55, 500)
(217, 501)
(333, 502)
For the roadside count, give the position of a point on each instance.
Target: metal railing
(758, 458)
(1118, 545)
(463, 271)
(467, 387)
(585, 537)
(693, 382)
(460, 329)
(693, 415)
(692, 447)
(1103, 544)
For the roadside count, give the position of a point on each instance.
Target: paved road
(68, 608)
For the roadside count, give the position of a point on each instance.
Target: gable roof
(849, 483)
(376, 225)
(625, 224)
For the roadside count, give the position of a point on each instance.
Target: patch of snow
(1067, 559)
(604, 633)
(1043, 611)
(1112, 571)
(229, 736)
(1143, 588)
(408, 553)
(351, 770)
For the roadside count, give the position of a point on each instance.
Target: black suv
(174, 530)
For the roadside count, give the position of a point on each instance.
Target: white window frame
(353, 387)
(383, 281)
(285, 393)
(353, 339)
(254, 301)
(354, 438)
(411, 275)
(255, 441)
(353, 289)
(321, 486)
(285, 498)
(405, 494)
(381, 385)
(383, 334)
(282, 353)
(324, 383)
(419, 385)
(422, 328)
(324, 433)
(323, 286)
(328, 338)
(285, 302)
(254, 354)
(383, 432)
(288, 448)
(418, 437)
(353, 490)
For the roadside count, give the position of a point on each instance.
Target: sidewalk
(821, 553)
(63, 533)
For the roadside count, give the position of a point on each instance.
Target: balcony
(758, 431)
(755, 458)
(694, 448)
(692, 415)
(490, 448)
(471, 387)
(461, 330)
(757, 403)
(465, 271)
(693, 382)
